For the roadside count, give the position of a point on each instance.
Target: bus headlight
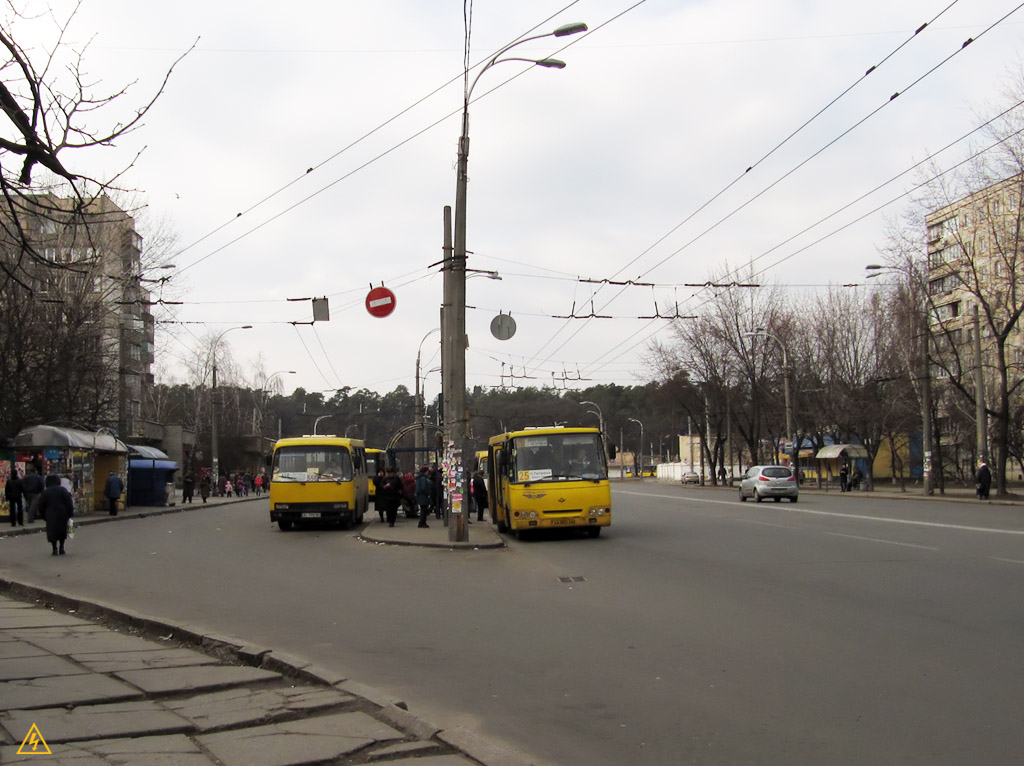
(599, 511)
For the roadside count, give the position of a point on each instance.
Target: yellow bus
(549, 478)
(374, 462)
(318, 478)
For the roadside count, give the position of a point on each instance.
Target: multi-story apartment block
(97, 259)
(975, 279)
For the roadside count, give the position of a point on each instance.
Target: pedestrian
(14, 495)
(379, 503)
(31, 488)
(112, 491)
(188, 487)
(258, 484)
(227, 487)
(984, 480)
(409, 494)
(438, 492)
(56, 507)
(204, 486)
(855, 479)
(479, 494)
(424, 490)
(721, 475)
(392, 490)
(844, 478)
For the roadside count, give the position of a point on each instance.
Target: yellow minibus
(549, 478)
(318, 478)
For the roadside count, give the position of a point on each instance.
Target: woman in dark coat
(56, 507)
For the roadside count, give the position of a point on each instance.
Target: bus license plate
(311, 515)
(563, 522)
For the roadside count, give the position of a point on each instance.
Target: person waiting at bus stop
(391, 488)
(424, 493)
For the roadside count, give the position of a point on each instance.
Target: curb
(236, 650)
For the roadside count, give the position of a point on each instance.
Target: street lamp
(213, 403)
(453, 312)
(786, 372)
(266, 385)
(321, 417)
(640, 472)
(600, 415)
(926, 382)
(419, 440)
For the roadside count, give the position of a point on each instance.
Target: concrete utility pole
(213, 406)
(453, 313)
(981, 420)
(420, 435)
(926, 406)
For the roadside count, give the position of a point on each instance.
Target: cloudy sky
(307, 150)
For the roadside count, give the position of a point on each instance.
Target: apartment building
(976, 292)
(96, 257)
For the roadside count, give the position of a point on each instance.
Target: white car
(691, 477)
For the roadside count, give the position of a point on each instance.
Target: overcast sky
(607, 169)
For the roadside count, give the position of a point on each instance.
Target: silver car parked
(774, 481)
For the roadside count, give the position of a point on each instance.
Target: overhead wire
(828, 145)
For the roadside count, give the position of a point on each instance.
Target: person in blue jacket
(112, 491)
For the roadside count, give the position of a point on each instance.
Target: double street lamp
(213, 402)
(786, 385)
(453, 314)
(640, 452)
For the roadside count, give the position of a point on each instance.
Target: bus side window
(357, 460)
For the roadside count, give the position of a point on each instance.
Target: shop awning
(39, 437)
(150, 453)
(833, 451)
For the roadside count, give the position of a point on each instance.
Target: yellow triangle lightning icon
(34, 744)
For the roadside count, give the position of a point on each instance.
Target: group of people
(238, 486)
(848, 483)
(30, 497)
(423, 494)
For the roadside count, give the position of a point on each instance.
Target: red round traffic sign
(380, 301)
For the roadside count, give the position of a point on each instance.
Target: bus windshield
(312, 463)
(558, 457)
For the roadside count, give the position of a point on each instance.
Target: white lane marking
(790, 509)
(1008, 561)
(887, 542)
(769, 524)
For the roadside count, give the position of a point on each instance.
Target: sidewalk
(95, 684)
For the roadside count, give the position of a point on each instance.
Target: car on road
(774, 481)
(691, 477)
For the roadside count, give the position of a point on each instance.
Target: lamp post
(263, 407)
(420, 441)
(786, 372)
(213, 403)
(317, 421)
(926, 384)
(640, 454)
(453, 313)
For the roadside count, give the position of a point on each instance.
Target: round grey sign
(503, 326)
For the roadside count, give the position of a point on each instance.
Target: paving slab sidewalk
(86, 685)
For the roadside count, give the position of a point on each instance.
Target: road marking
(1008, 561)
(887, 542)
(790, 509)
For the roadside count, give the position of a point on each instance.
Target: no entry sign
(380, 301)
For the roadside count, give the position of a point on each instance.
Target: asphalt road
(839, 630)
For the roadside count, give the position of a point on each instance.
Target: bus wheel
(284, 525)
(594, 531)
(502, 526)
